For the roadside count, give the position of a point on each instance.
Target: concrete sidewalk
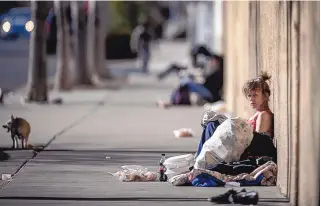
(124, 125)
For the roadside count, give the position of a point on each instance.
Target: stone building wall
(282, 38)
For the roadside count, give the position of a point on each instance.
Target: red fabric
(253, 122)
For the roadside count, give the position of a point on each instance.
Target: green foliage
(119, 22)
(124, 16)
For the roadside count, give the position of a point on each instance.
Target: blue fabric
(256, 182)
(144, 55)
(204, 180)
(174, 96)
(181, 94)
(197, 88)
(207, 134)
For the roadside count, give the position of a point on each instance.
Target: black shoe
(246, 198)
(243, 190)
(225, 198)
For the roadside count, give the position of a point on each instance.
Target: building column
(309, 132)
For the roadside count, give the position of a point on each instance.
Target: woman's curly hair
(259, 82)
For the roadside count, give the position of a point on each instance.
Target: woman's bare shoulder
(265, 115)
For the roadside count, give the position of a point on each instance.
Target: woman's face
(256, 98)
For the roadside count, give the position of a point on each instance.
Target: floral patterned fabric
(268, 171)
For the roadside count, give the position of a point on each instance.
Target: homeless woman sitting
(257, 92)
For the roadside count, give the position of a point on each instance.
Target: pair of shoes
(246, 198)
(231, 196)
(224, 198)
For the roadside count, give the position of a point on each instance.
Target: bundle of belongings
(234, 153)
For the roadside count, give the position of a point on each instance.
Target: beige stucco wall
(309, 111)
(283, 39)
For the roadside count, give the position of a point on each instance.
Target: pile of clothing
(250, 172)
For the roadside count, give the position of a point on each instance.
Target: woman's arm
(263, 122)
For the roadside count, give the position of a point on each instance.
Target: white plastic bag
(135, 173)
(178, 164)
(179, 161)
(227, 144)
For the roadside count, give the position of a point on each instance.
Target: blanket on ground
(264, 175)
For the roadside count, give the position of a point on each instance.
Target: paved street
(124, 125)
(14, 62)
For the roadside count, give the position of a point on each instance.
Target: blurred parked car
(16, 23)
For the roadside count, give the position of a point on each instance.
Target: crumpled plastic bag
(178, 164)
(227, 144)
(179, 161)
(135, 173)
(179, 180)
(210, 116)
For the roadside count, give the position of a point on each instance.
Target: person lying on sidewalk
(203, 51)
(209, 91)
(198, 50)
(257, 92)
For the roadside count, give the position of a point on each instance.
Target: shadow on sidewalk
(125, 199)
(35, 148)
(119, 151)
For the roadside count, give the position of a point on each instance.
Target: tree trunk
(37, 77)
(63, 79)
(79, 43)
(91, 42)
(101, 34)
